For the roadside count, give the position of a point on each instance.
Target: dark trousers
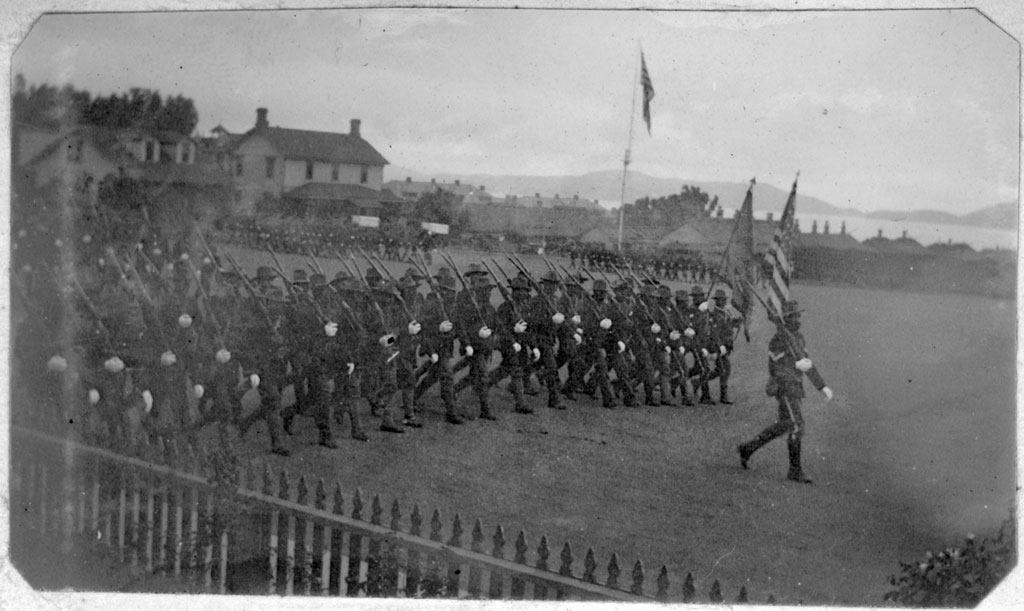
(790, 420)
(722, 371)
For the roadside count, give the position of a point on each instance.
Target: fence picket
(122, 502)
(434, 573)
(476, 544)
(589, 566)
(498, 581)
(222, 577)
(275, 518)
(94, 524)
(715, 595)
(613, 572)
(136, 506)
(742, 598)
(541, 591)
(414, 571)
(179, 519)
(320, 502)
(401, 554)
(360, 546)
(307, 541)
(343, 551)
(43, 493)
(637, 587)
(164, 521)
(284, 492)
(150, 517)
(663, 585)
(565, 568)
(688, 590)
(374, 565)
(518, 587)
(193, 530)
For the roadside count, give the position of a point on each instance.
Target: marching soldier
(697, 318)
(514, 342)
(475, 317)
(597, 323)
(544, 321)
(723, 321)
(438, 342)
(570, 338)
(788, 363)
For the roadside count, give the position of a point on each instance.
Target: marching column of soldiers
(157, 343)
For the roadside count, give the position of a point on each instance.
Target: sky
(876, 109)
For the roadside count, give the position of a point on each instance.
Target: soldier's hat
(519, 283)
(664, 291)
(697, 291)
(341, 277)
(481, 282)
(317, 280)
(682, 294)
(475, 269)
(624, 285)
(388, 287)
(444, 272)
(720, 294)
(791, 308)
(373, 274)
(600, 286)
(299, 277)
(265, 273)
(413, 274)
(407, 282)
(648, 290)
(550, 277)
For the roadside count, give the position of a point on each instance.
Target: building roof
(336, 191)
(202, 174)
(899, 246)
(835, 241)
(321, 146)
(103, 140)
(418, 187)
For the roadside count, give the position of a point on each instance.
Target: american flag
(779, 255)
(645, 84)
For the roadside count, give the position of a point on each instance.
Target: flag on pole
(741, 265)
(780, 255)
(648, 89)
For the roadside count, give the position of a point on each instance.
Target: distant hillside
(607, 187)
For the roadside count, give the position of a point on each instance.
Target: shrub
(957, 576)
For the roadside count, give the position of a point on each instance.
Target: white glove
(536, 354)
(517, 347)
(113, 364)
(331, 329)
(58, 242)
(578, 338)
(184, 256)
(576, 319)
(827, 392)
(434, 358)
(350, 367)
(668, 350)
(87, 239)
(804, 364)
(682, 350)
(199, 391)
(147, 400)
(101, 261)
(445, 326)
(94, 396)
(414, 328)
(606, 324)
(254, 381)
(167, 359)
(386, 340)
(579, 331)
(622, 347)
(184, 321)
(722, 350)
(484, 332)
(520, 327)
(558, 318)
(689, 332)
(207, 261)
(469, 350)
(57, 363)
(705, 352)
(674, 335)
(223, 356)
(703, 307)
(655, 328)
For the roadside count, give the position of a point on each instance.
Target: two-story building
(308, 173)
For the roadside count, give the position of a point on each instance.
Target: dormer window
(151, 151)
(309, 170)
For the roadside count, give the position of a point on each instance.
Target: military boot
(796, 472)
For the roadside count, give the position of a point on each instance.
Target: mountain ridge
(606, 186)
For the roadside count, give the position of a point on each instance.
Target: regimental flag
(741, 268)
(648, 89)
(780, 255)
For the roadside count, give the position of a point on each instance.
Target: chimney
(482, 188)
(408, 179)
(719, 213)
(433, 181)
(904, 234)
(261, 118)
(842, 229)
(826, 228)
(536, 195)
(770, 217)
(814, 226)
(457, 182)
(879, 234)
(353, 129)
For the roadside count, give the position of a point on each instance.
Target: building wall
(350, 174)
(253, 183)
(57, 166)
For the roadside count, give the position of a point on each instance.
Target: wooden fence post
(344, 553)
(401, 553)
(637, 586)
(275, 517)
(688, 590)
(663, 585)
(414, 572)
(518, 586)
(613, 572)
(289, 556)
(325, 541)
(307, 540)
(501, 585)
(540, 591)
(589, 566)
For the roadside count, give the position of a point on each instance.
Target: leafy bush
(957, 576)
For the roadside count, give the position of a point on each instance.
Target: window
(238, 166)
(150, 151)
(270, 167)
(309, 170)
(334, 172)
(364, 175)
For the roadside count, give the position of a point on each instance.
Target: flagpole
(625, 160)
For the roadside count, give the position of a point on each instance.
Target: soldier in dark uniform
(544, 322)
(475, 319)
(722, 325)
(698, 319)
(514, 342)
(378, 354)
(409, 346)
(597, 325)
(344, 358)
(788, 363)
(570, 338)
(439, 343)
(682, 344)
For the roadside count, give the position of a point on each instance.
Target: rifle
(465, 286)
(291, 288)
(780, 324)
(391, 277)
(536, 285)
(107, 336)
(433, 284)
(207, 311)
(257, 298)
(502, 288)
(369, 292)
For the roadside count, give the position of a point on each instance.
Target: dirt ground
(916, 450)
